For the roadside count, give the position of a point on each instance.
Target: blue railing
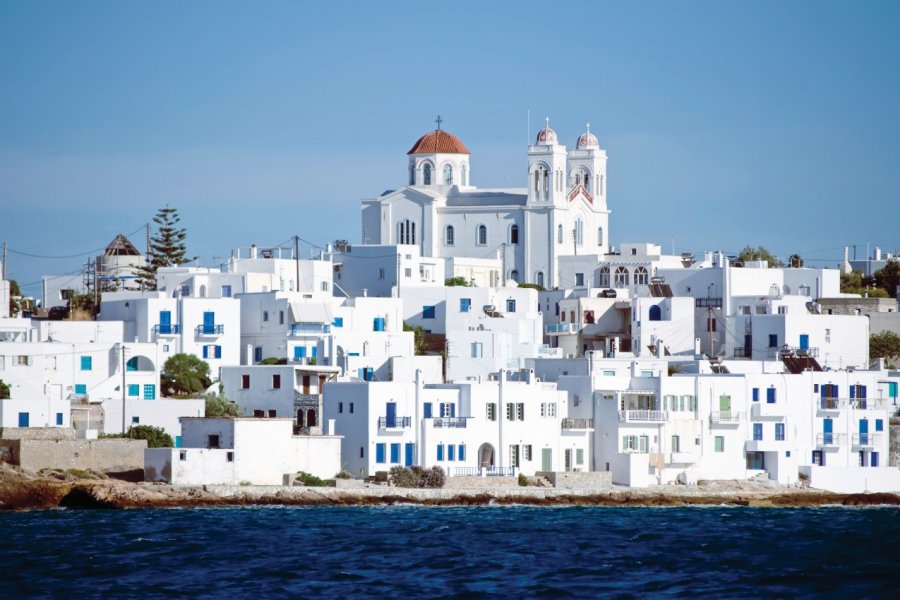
(300, 328)
(210, 329)
(394, 422)
(166, 329)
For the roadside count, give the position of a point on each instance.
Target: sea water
(408, 551)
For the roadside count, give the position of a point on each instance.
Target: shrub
(156, 436)
(218, 405)
(417, 477)
(184, 376)
(523, 481)
(4, 391)
(343, 475)
(273, 360)
(309, 480)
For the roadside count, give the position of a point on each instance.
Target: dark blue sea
(401, 551)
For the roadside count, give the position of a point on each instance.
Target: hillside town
(496, 333)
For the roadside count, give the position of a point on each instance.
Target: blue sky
(726, 123)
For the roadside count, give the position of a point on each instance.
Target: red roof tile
(438, 141)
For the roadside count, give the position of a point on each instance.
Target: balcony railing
(725, 416)
(868, 404)
(708, 303)
(562, 328)
(209, 329)
(449, 422)
(831, 439)
(482, 471)
(832, 403)
(394, 422)
(866, 439)
(742, 352)
(652, 416)
(166, 329)
(302, 328)
(577, 423)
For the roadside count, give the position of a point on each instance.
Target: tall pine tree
(167, 247)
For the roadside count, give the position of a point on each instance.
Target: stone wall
(36, 433)
(480, 483)
(112, 455)
(578, 479)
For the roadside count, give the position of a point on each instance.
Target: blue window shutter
(452, 410)
(770, 395)
(59, 418)
(80, 388)
(395, 453)
(451, 452)
(149, 392)
(462, 452)
(379, 453)
(205, 351)
(440, 452)
(756, 394)
(134, 389)
(852, 392)
(428, 312)
(23, 419)
(879, 425)
(218, 351)
(178, 441)
(302, 350)
(426, 410)
(314, 351)
(338, 322)
(257, 354)
(85, 363)
(297, 351)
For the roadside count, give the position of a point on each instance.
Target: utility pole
(709, 323)
(297, 260)
(3, 273)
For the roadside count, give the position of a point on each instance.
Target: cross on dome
(439, 120)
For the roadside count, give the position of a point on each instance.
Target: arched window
(406, 232)
(537, 180)
(539, 278)
(412, 175)
(600, 186)
(655, 313)
(426, 174)
(586, 181)
(311, 417)
(641, 277)
(448, 175)
(300, 417)
(599, 236)
(604, 277)
(482, 235)
(448, 238)
(463, 175)
(579, 231)
(514, 276)
(621, 277)
(546, 181)
(559, 234)
(514, 234)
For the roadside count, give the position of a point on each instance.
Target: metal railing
(394, 422)
(482, 471)
(209, 329)
(164, 329)
(708, 303)
(301, 328)
(742, 352)
(832, 403)
(725, 416)
(562, 328)
(449, 422)
(577, 423)
(866, 439)
(655, 416)
(868, 404)
(831, 439)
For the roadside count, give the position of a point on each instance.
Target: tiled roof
(438, 141)
(120, 246)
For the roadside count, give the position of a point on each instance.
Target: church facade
(562, 211)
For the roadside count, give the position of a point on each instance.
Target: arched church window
(482, 235)
(604, 277)
(464, 174)
(514, 276)
(621, 277)
(412, 175)
(514, 234)
(546, 181)
(641, 276)
(448, 175)
(559, 234)
(537, 180)
(448, 238)
(406, 232)
(586, 180)
(539, 278)
(600, 186)
(579, 232)
(599, 236)
(426, 174)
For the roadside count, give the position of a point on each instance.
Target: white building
(233, 451)
(561, 212)
(380, 270)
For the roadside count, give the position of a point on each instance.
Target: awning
(310, 312)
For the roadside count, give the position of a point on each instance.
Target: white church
(561, 212)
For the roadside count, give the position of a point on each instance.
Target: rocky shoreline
(19, 491)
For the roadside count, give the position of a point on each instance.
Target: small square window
(135, 420)
(229, 456)
(182, 455)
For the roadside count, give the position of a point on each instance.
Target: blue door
(209, 322)
(23, 419)
(804, 341)
(873, 459)
(826, 431)
(864, 431)
(391, 414)
(165, 321)
(410, 451)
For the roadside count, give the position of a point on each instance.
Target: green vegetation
(457, 282)
(167, 247)
(532, 286)
(4, 390)
(309, 480)
(15, 298)
(795, 261)
(343, 475)
(156, 436)
(273, 360)
(417, 477)
(184, 376)
(418, 336)
(856, 283)
(523, 481)
(218, 405)
(888, 278)
(751, 253)
(884, 345)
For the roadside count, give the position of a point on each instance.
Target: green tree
(795, 261)
(218, 405)
(418, 337)
(457, 282)
(888, 278)
(884, 345)
(184, 376)
(273, 360)
(856, 283)
(751, 253)
(4, 390)
(15, 298)
(167, 247)
(156, 436)
(532, 286)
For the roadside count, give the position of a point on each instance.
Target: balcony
(725, 417)
(394, 422)
(708, 303)
(482, 471)
(309, 328)
(831, 440)
(832, 404)
(209, 329)
(576, 424)
(768, 410)
(866, 440)
(449, 423)
(868, 404)
(643, 416)
(769, 444)
(562, 328)
(166, 329)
